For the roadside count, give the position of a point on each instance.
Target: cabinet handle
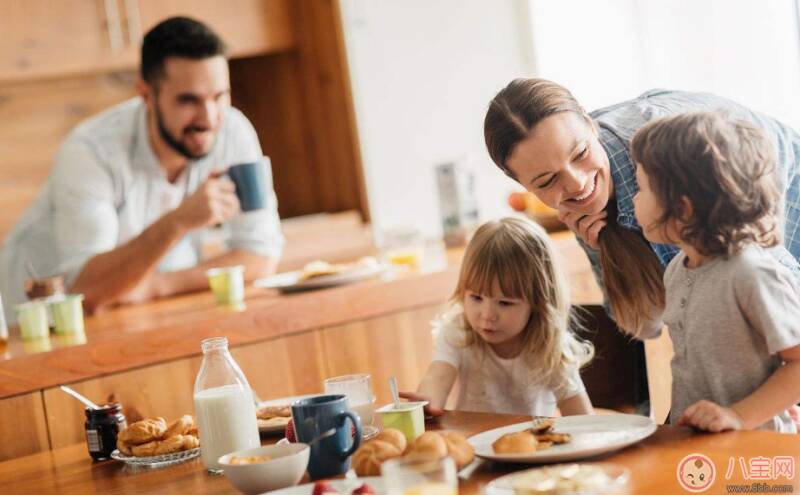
(133, 21)
(114, 27)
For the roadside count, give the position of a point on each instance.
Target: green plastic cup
(68, 314)
(32, 319)
(408, 418)
(227, 284)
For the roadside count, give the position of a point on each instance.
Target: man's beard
(171, 141)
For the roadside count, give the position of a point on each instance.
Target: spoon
(84, 400)
(395, 394)
(322, 436)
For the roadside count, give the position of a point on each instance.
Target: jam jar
(102, 426)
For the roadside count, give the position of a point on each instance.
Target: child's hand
(429, 411)
(708, 416)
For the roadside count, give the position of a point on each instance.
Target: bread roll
(458, 448)
(368, 458)
(521, 442)
(394, 437)
(430, 444)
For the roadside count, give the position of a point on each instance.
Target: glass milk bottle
(223, 403)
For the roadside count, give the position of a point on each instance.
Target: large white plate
(618, 476)
(591, 435)
(288, 281)
(340, 485)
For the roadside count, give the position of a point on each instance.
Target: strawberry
(290, 431)
(321, 487)
(364, 489)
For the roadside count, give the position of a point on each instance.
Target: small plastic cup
(409, 418)
(227, 284)
(68, 314)
(32, 319)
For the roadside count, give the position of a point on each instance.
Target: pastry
(521, 442)
(394, 437)
(146, 449)
(144, 431)
(542, 425)
(190, 442)
(429, 444)
(368, 458)
(180, 426)
(169, 445)
(124, 447)
(274, 412)
(458, 448)
(553, 437)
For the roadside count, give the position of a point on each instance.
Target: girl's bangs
(509, 275)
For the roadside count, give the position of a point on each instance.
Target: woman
(579, 164)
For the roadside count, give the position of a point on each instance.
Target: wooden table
(653, 464)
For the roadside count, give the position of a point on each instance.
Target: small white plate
(283, 401)
(591, 435)
(375, 482)
(289, 281)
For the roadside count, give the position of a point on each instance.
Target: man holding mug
(124, 210)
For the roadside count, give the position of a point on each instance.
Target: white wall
(605, 52)
(423, 72)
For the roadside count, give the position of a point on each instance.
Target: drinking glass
(420, 475)
(358, 390)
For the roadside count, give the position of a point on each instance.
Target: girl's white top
(489, 383)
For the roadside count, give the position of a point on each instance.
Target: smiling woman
(579, 163)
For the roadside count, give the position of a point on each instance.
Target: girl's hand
(587, 227)
(429, 410)
(708, 416)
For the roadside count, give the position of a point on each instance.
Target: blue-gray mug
(312, 417)
(250, 180)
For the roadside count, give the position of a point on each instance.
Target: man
(124, 210)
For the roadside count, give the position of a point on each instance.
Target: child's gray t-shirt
(728, 319)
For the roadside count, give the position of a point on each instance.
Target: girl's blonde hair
(632, 274)
(517, 254)
(725, 167)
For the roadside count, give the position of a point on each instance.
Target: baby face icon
(696, 473)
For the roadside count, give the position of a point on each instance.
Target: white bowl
(287, 466)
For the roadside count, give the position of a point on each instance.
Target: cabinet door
(248, 26)
(56, 37)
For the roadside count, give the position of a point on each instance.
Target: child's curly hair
(725, 167)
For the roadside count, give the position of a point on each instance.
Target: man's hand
(587, 227)
(708, 416)
(213, 202)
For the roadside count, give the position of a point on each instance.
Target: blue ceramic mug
(315, 415)
(250, 180)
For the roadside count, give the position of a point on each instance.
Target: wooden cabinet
(23, 430)
(248, 26)
(46, 38)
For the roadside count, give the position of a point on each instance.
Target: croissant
(368, 458)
